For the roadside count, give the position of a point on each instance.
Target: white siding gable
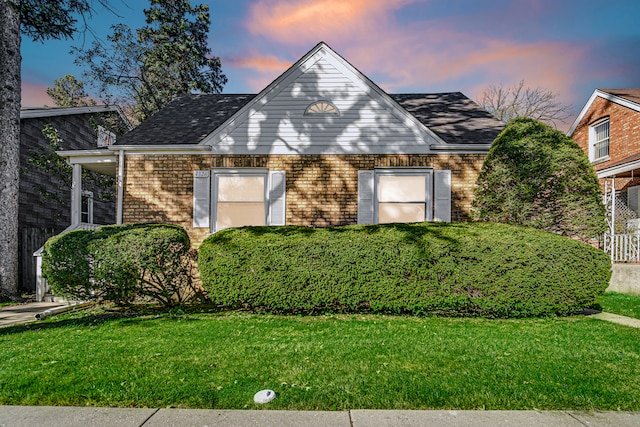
(368, 121)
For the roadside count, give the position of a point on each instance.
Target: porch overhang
(626, 170)
(101, 161)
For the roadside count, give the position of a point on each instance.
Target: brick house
(608, 130)
(321, 145)
(44, 204)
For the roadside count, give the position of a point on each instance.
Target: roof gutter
(161, 149)
(476, 148)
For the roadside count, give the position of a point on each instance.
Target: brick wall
(321, 190)
(624, 130)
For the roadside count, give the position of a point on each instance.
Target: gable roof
(629, 98)
(452, 116)
(306, 81)
(439, 120)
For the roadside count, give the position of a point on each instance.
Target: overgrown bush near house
(67, 264)
(458, 269)
(538, 177)
(122, 264)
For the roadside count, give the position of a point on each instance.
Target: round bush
(538, 177)
(121, 263)
(458, 269)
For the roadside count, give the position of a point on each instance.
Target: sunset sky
(568, 46)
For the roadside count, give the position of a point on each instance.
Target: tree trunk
(9, 147)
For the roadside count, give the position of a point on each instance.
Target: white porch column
(613, 220)
(120, 184)
(76, 195)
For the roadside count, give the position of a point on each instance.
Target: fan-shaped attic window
(323, 108)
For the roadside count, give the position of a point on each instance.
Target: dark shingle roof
(632, 95)
(189, 119)
(186, 120)
(452, 116)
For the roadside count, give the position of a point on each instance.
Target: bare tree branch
(508, 103)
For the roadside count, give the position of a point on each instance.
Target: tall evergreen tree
(167, 58)
(179, 55)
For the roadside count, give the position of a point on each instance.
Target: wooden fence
(31, 239)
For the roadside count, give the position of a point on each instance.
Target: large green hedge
(458, 269)
(121, 263)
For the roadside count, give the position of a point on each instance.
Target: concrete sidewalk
(50, 416)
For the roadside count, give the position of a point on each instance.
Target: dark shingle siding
(77, 133)
(38, 217)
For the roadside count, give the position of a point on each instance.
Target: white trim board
(616, 170)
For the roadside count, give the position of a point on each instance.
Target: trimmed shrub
(538, 177)
(457, 269)
(122, 264)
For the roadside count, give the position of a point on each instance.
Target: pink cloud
(429, 55)
(35, 95)
(436, 55)
(259, 62)
(309, 21)
(263, 68)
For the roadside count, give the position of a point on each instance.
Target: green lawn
(334, 362)
(624, 305)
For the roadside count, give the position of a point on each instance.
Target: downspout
(120, 180)
(62, 309)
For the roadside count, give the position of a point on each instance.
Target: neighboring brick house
(321, 145)
(44, 204)
(608, 130)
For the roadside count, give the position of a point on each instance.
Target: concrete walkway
(59, 416)
(24, 313)
(615, 318)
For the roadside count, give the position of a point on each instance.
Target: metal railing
(623, 247)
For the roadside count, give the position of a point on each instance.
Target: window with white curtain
(599, 141)
(237, 197)
(240, 200)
